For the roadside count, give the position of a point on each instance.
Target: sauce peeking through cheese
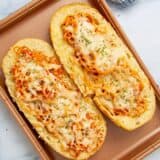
(51, 97)
(100, 53)
(94, 49)
(124, 92)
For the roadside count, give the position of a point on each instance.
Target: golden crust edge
(85, 89)
(63, 8)
(121, 121)
(42, 133)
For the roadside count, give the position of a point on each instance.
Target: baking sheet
(119, 144)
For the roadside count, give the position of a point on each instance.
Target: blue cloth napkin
(123, 3)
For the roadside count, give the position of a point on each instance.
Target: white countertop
(142, 24)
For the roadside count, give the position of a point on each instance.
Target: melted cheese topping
(94, 49)
(124, 92)
(42, 85)
(104, 56)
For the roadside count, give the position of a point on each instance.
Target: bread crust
(8, 62)
(81, 76)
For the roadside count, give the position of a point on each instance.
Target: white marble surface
(9, 6)
(142, 24)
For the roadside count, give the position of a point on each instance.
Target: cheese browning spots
(124, 93)
(51, 97)
(88, 38)
(96, 51)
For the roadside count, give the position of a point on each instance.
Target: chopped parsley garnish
(85, 39)
(102, 51)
